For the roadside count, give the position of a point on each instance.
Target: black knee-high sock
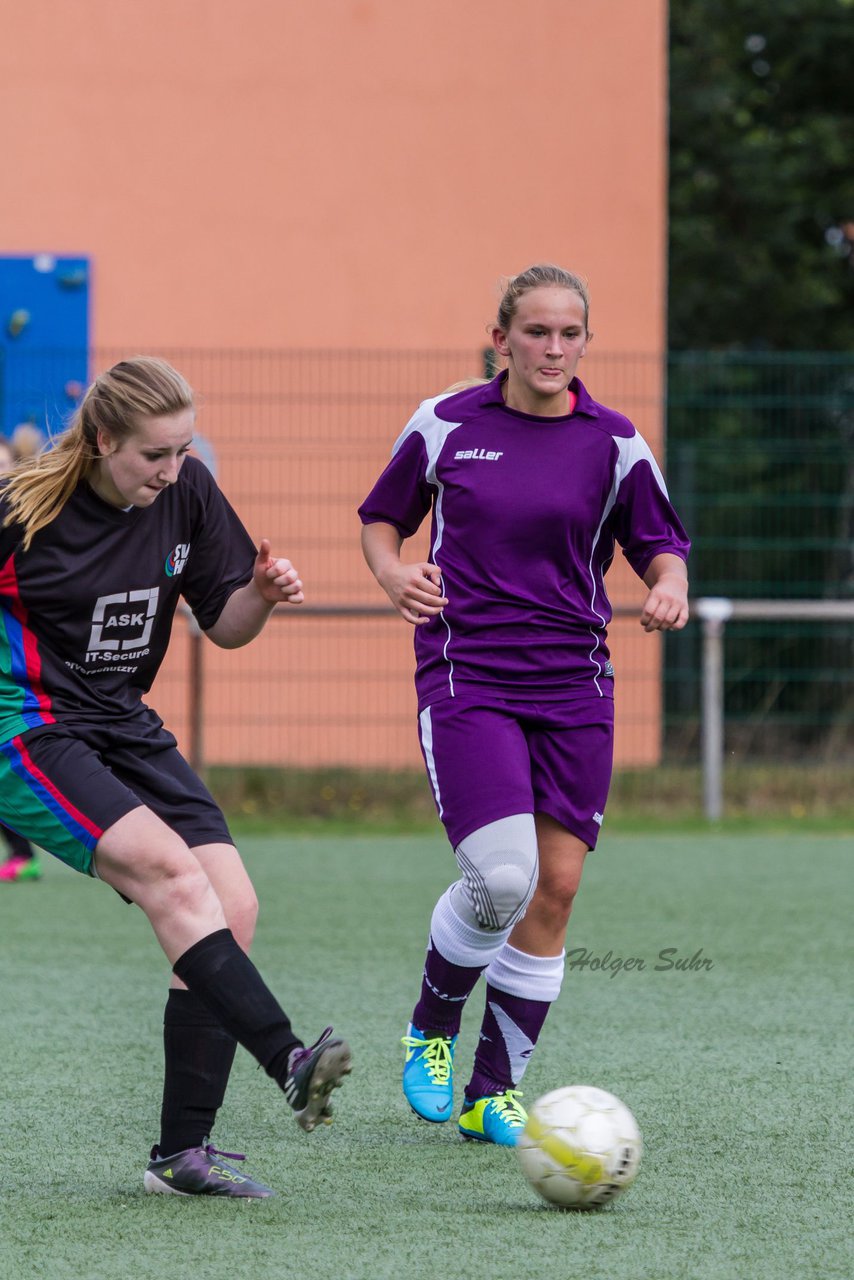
(225, 980)
(198, 1055)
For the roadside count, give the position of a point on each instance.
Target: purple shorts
(490, 759)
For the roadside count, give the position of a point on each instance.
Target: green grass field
(739, 1075)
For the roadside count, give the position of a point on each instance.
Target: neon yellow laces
(436, 1056)
(509, 1108)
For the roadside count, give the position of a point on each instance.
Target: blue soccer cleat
(498, 1118)
(428, 1074)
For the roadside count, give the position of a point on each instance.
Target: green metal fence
(761, 464)
(759, 460)
(761, 455)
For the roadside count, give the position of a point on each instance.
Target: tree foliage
(762, 175)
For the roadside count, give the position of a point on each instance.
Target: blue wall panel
(44, 339)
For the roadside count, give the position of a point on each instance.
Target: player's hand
(415, 590)
(666, 606)
(276, 579)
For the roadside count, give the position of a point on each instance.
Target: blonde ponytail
(142, 387)
(465, 383)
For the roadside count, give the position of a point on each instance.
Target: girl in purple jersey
(100, 537)
(531, 485)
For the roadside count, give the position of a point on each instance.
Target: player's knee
(184, 884)
(250, 908)
(509, 888)
(499, 866)
(558, 888)
(242, 917)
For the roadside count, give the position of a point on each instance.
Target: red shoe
(18, 868)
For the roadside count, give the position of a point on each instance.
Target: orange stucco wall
(336, 173)
(342, 174)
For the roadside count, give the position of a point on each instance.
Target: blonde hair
(542, 275)
(464, 384)
(142, 387)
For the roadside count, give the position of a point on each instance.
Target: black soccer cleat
(312, 1075)
(197, 1172)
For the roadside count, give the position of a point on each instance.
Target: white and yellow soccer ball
(581, 1147)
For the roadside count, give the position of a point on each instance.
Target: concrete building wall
(344, 174)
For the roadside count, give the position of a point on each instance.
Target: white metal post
(713, 612)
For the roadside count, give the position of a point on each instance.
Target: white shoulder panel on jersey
(632, 450)
(433, 430)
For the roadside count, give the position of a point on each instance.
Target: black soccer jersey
(86, 613)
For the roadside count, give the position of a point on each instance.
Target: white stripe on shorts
(426, 724)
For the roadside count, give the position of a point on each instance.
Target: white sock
(530, 977)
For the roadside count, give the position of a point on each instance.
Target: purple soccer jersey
(526, 515)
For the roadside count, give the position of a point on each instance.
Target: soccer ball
(580, 1148)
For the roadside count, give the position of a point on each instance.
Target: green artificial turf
(739, 1075)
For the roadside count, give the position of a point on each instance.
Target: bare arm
(274, 581)
(414, 589)
(666, 606)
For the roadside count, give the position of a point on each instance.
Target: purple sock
(445, 987)
(510, 1029)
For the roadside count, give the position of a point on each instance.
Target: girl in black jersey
(100, 536)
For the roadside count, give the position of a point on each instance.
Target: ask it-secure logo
(177, 559)
(121, 625)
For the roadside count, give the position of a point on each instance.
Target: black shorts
(63, 788)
